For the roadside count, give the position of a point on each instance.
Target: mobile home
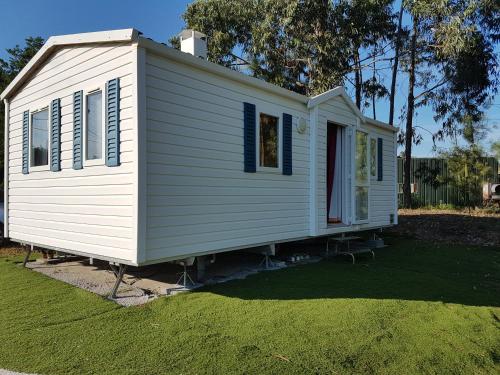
(123, 149)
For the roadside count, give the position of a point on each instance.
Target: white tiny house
(123, 149)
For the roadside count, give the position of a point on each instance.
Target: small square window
(269, 141)
(40, 138)
(94, 126)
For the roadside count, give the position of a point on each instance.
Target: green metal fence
(426, 193)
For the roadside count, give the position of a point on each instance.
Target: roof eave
(123, 35)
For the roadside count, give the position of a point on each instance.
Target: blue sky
(159, 20)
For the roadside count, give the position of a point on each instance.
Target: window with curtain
(268, 141)
(40, 138)
(94, 126)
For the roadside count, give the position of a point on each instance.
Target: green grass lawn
(418, 308)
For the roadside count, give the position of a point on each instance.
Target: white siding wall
(89, 210)
(382, 197)
(199, 199)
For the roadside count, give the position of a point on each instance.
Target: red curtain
(331, 152)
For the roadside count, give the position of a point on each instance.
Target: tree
(447, 38)
(18, 58)
(495, 149)
(467, 171)
(307, 46)
(395, 64)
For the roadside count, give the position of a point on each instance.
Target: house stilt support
(119, 277)
(29, 250)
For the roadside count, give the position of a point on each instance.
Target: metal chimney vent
(194, 42)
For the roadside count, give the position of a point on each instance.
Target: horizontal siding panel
(89, 210)
(76, 218)
(226, 217)
(102, 210)
(213, 84)
(65, 243)
(91, 229)
(223, 227)
(84, 238)
(242, 209)
(253, 234)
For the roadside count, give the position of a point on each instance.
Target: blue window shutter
(249, 148)
(287, 144)
(55, 136)
(113, 123)
(78, 130)
(26, 141)
(380, 162)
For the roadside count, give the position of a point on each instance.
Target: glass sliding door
(362, 180)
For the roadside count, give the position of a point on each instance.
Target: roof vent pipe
(194, 42)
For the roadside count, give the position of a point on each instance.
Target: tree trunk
(409, 116)
(395, 67)
(373, 77)
(358, 78)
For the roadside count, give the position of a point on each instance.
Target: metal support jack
(185, 278)
(119, 277)
(29, 250)
(267, 262)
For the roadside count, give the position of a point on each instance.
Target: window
(373, 157)
(40, 138)
(268, 141)
(361, 203)
(361, 157)
(362, 181)
(94, 126)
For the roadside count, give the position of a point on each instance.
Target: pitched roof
(113, 36)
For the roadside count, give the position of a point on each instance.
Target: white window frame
(267, 110)
(39, 168)
(86, 93)
(357, 184)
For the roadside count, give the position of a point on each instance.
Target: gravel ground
(477, 228)
(7, 372)
(145, 284)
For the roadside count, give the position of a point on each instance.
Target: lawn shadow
(407, 270)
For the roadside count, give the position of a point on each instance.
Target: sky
(159, 20)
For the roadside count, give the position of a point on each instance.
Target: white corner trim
(6, 172)
(313, 201)
(140, 126)
(123, 35)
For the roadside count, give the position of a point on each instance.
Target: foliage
(18, 58)
(430, 176)
(467, 172)
(306, 46)
(379, 317)
(453, 63)
(495, 149)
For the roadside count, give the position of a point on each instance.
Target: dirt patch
(477, 228)
(11, 250)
